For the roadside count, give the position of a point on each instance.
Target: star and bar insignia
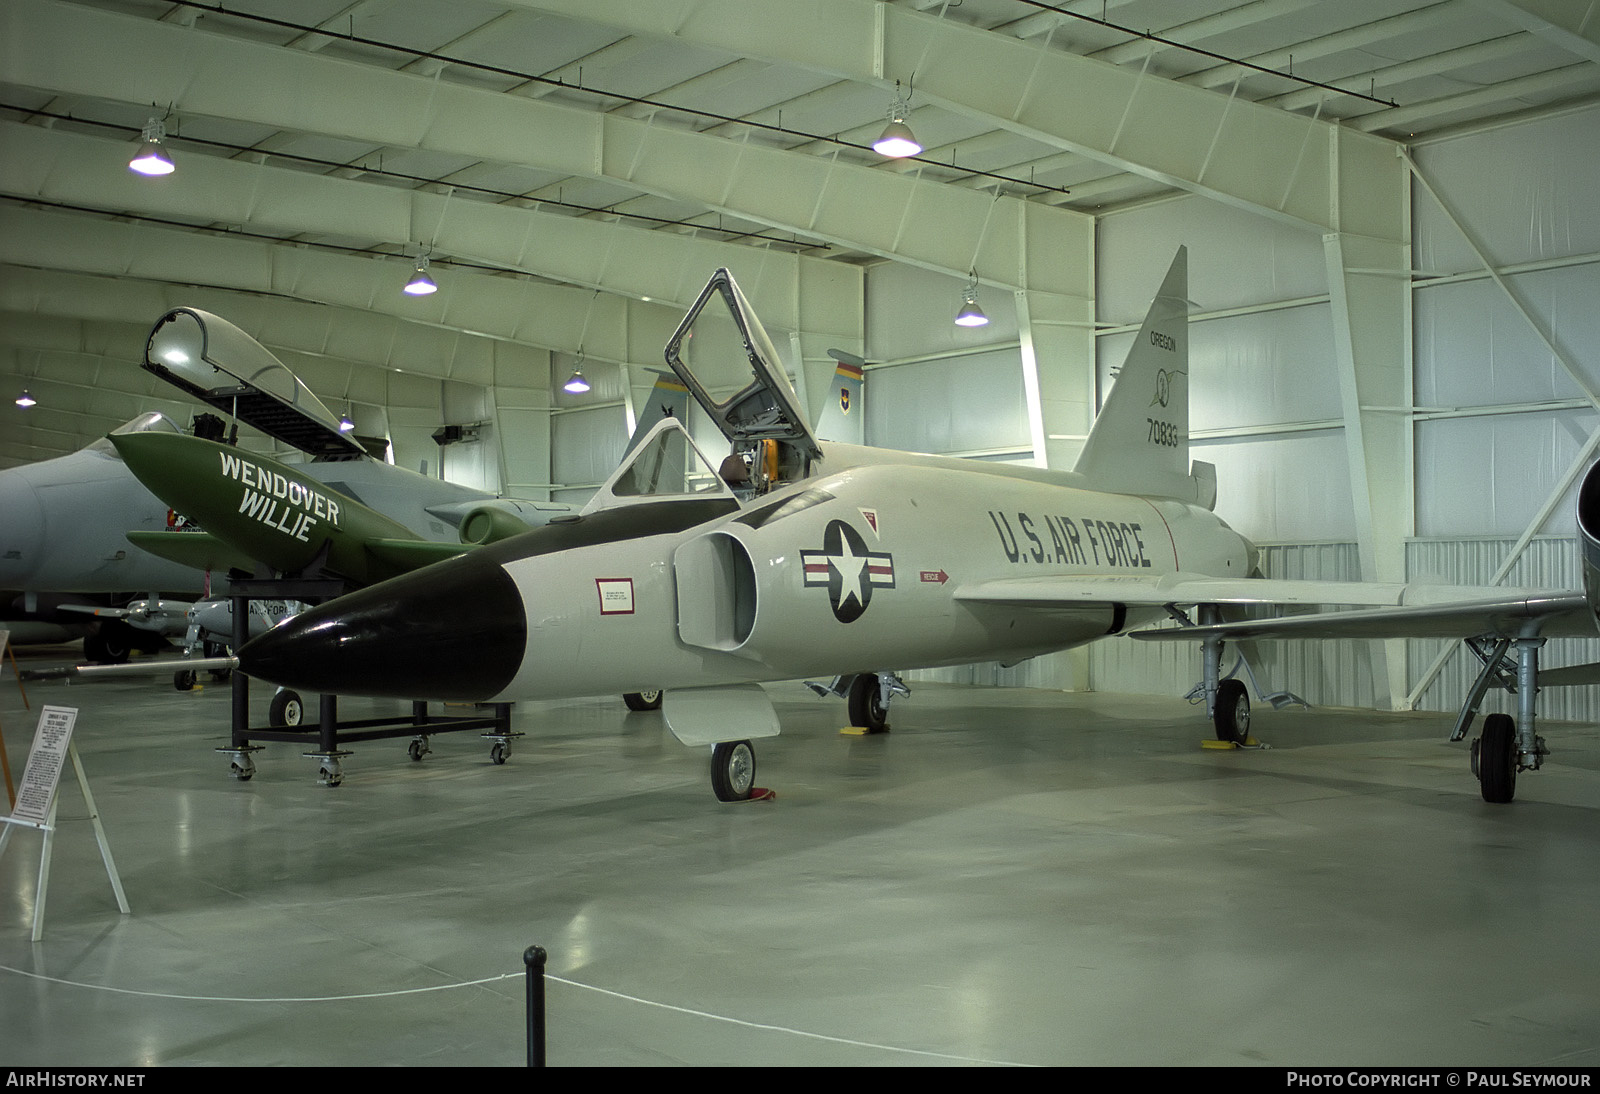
(848, 570)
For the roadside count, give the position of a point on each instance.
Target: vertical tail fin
(843, 414)
(668, 399)
(1139, 443)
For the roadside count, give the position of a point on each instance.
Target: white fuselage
(854, 571)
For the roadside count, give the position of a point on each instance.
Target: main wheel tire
(733, 770)
(866, 704)
(1232, 715)
(643, 700)
(286, 709)
(1497, 759)
(116, 642)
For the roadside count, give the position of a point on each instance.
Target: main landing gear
(867, 696)
(1507, 746)
(1227, 698)
(186, 679)
(110, 644)
(1230, 713)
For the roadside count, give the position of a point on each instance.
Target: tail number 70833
(1164, 433)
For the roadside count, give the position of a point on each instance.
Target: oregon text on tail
(1140, 441)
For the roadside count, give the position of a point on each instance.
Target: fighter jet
(253, 508)
(807, 559)
(63, 522)
(63, 555)
(250, 512)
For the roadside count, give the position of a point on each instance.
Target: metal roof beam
(1573, 27)
(512, 309)
(1270, 162)
(883, 213)
(75, 169)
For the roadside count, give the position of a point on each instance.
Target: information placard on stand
(36, 802)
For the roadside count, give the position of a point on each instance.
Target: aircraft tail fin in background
(668, 399)
(843, 414)
(1139, 443)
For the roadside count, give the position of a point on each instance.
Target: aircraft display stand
(324, 739)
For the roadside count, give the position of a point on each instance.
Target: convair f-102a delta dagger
(811, 559)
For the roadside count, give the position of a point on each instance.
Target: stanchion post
(533, 959)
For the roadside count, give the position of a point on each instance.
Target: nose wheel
(733, 771)
(287, 709)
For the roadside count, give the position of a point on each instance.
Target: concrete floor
(1009, 876)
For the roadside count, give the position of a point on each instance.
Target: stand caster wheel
(240, 764)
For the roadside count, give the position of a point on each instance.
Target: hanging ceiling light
(345, 424)
(25, 400)
(151, 158)
(970, 314)
(577, 385)
(421, 284)
(898, 141)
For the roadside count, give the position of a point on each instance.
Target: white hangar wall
(1264, 407)
(932, 386)
(1504, 416)
(1500, 426)
(1506, 374)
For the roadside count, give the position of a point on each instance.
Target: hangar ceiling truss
(525, 143)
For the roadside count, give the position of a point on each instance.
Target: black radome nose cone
(455, 630)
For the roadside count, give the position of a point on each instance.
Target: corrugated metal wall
(1548, 562)
(1499, 418)
(947, 389)
(1323, 673)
